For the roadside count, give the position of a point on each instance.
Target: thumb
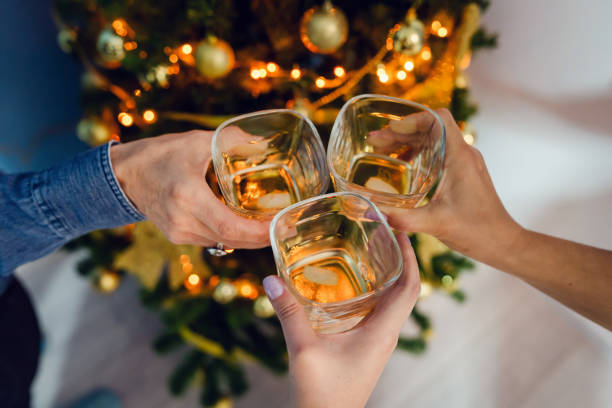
(412, 220)
(296, 327)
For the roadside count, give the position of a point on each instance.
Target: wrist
(503, 248)
(122, 158)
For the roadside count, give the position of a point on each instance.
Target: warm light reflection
(173, 58)
(187, 267)
(426, 54)
(442, 32)
(254, 73)
(186, 48)
(469, 138)
(137, 92)
(247, 290)
(130, 45)
(401, 75)
(320, 82)
(213, 281)
(193, 283)
(409, 65)
(184, 258)
(435, 25)
(296, 73)
(339, 71)
(384, 78)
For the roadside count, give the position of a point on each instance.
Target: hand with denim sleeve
(165, 179)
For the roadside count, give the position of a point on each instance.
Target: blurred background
(545, 129)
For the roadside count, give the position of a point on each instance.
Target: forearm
(43, 210)
(576, 275)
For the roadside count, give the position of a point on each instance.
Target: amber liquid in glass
(265, 187)
(381, 173)
(329, 276)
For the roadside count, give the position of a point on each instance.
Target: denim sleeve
(41, 211)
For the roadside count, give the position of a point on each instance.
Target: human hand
(465, 212)
(341, 370)
(165, 178)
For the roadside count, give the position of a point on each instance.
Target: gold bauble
(469, 133)
(409, 37)
(224, 402)
(107, 281)
(214, 58)
(110, 46)
(93, 131)
(262, 307)
(66, 38)
(225, 292)
(323, 29)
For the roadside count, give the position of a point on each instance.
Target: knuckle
(225, 229)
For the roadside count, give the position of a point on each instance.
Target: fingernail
(372, 215)
(272, 287)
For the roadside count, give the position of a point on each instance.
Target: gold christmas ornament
(224, 402)
(225, 292)
(66, 38)
(262, 307)
(214, 58)
(469, 133)
(110, 46)
(93, 131)
(323, 29)
(408, 37)
(107, 281)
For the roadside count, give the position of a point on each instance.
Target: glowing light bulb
(320, 82)
(173, 58)
(149, 116)
(401, 75)
(442, 32)
(339, 71)
(296, 73)
(186, 49)
(435, 25)
(254, 73)
(263, 73)
(120, 26)
(383, 77)
(409, 65)
(125, 119)
(272, 67)
(137, 92)
(426, 54)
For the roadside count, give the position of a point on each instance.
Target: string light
(187, 267)
(130, 45)
(296, 73)
(409, 65)
(193, 283)
(186, 49)
(426, 54)
(149, 116)
(254, 73)
(320, 82)
(137, 92)
(272, 67)
(214, 281)
(442, 32)
(384, 78)
(401, 75)
(246, 289)
(142, 54)
(435, 25)
(167, 50)
(120, 26)
(184, 258)
(339, 71)
(173, 58)
(125, 119)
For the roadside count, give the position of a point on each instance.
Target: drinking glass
(337, 255)
(267, 160)
(388, 149)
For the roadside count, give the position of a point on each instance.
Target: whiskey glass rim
(387, 98)
(215, 153)
(277, 256)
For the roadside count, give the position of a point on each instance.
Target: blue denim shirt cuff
(83, 195)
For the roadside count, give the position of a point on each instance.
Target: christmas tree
(168, 66)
